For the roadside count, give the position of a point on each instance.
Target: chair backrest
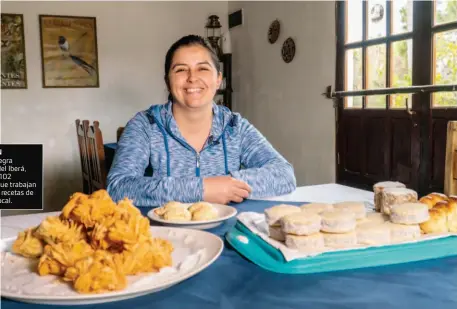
(450, 167)
(81, 134)
(96, 157)
(119, 133)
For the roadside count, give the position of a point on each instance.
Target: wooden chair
(450, 168)
(119, 132)
(81, 133)
(96, 153)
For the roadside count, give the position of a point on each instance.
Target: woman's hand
(224, 189)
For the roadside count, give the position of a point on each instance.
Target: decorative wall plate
(273, 31)
(288, 50)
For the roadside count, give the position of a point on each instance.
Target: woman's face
(193, 77)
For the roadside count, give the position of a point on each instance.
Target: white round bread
(276, 233)
(168, 206)
(204, 214)
(409, 213)
(177, 214)
(403, 232)
(275, 213)
(379, 187)
(199, 205)
(316, 208)
(393, 196)
(338, 221)
(373, 234)
(342, 240)
(358, 208)
(374, 218)
(301, 223)
(305, 243)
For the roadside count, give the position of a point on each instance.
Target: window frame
(422, 36)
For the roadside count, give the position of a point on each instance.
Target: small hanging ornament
(288, 50)
(273, 31)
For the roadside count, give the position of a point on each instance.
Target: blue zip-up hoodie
(234, 148)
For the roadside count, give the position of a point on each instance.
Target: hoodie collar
(163, 114)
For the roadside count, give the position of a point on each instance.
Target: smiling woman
(195, 147)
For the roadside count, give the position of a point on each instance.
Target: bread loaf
(443, 218)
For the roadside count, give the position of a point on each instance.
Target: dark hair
(188, 40)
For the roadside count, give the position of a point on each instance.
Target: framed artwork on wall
(14, 68)
(69, 55)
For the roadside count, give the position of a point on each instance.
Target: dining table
(233, 281)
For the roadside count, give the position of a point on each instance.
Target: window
(378, 50)
(444, 66)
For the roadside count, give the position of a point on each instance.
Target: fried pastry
(57, 258)
(28, 245)
(95, 243)
(97, 274)
(54, 230)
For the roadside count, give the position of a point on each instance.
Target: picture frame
(69, 51)
(14, 64)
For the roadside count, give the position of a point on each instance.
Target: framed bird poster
(14, 69)
(69, 54)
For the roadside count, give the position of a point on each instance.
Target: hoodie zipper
(198, 165)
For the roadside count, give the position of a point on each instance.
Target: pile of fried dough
(95, 243)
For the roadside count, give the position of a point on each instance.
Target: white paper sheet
(256, 223)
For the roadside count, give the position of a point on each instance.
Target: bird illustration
(65, 47)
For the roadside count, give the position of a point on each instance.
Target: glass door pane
(401, 70)
(376, 74)
(445, 67)
(353, 76)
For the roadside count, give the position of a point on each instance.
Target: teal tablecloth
(234, 282)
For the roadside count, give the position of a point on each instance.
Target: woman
(195, 147)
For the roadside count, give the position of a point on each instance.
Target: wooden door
(380, 137)
(376, 145)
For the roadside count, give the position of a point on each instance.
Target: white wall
(282, 100)
(133, 38)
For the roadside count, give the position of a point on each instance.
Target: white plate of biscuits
(200, 215)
